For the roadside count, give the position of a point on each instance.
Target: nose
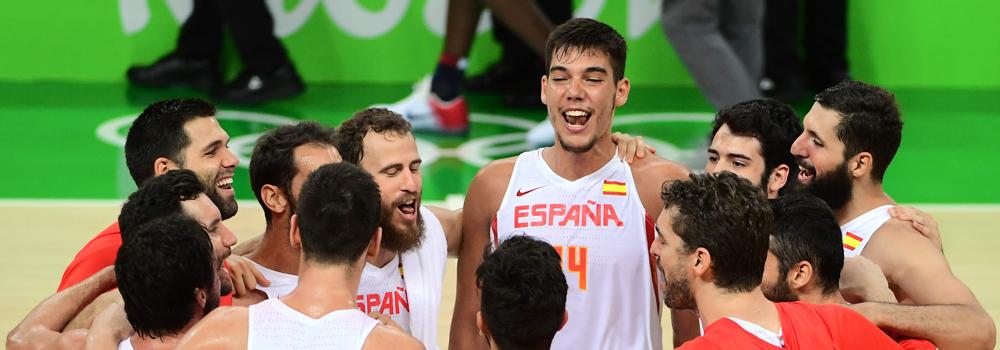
(574, 92)
(409, 181)
(229, 160)
(228, 237)
(798, 147)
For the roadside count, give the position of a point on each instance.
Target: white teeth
(224, 182)
(576, 113)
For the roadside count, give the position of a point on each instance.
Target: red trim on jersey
(609, 182)
(650, 236)
(856, 237)
(493, 229)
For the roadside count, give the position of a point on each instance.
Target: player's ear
(294, 237)
(800, 274)
(274, 198)
(201, 297)
(162, 165)
(565, 319)
(375, 245)
(545, 83)
(480, 324)
(777, 179)
(860, 164)
(702, 261)
(621, 92)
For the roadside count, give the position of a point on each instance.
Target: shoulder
(653, 169)
(383, 337)
(223, 328)
(499, 170)
(489, 184)
(896, 245)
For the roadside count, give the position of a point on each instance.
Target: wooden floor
(41, 237)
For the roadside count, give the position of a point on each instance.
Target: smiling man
(580, 197)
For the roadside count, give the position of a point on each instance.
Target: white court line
(452, 201)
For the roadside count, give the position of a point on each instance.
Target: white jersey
(384, 290)
(600, 229)
(274, 325)
(860, 230)
(281, 283)
(126, 344)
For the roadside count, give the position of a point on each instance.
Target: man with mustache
(851, 135)
(711, 244)
(171, 134)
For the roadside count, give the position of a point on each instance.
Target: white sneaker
(426, 112)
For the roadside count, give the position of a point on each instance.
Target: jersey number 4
(574, 259)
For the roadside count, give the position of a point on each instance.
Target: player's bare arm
(451, 221)
(44, 325)
(935, 305)
(481, 204)
(223, 328)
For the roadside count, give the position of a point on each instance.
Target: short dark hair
(773, 124)
(158, 271)
(523, 293)
(729, 217)
(805, 230)
(339, 208)
(159, 132)
(351, 134)
(158, 197)
(869, 121)
(588, 35)
(273, 159)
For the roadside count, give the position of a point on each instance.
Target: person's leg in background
(826, 43)
(195, 60)
(783, 72)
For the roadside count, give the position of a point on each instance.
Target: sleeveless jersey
(602, 233)
(859, 231)
(384, 290)
(274, 325)
(281, 283)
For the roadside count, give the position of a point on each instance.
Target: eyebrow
(737, 155)
(814, 134)
(588, 70)
(391, 166)
(214, 144)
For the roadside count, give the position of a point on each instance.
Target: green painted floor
(62, 140)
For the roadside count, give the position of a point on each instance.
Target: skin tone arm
(110, 328)
(451, 221)
(481, 204)
(921, 221)
(223, 328)
(935, 305)
(43, 327)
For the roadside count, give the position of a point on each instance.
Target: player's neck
(165, 342)
(818, 297)
(324, 288)
(274, 251)
(383, 258)
(574, 165)
(865, 196)
(715, 304)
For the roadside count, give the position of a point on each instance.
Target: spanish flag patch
(614, 188)
(852, 241)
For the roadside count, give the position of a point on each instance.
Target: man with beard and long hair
(805, 258)
(851, 135)
(711, 245)
(580, 197)
(168, 277)
(404, 281)
(171, 134)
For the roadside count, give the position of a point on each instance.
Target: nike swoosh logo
(521, 193)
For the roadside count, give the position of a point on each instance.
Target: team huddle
(786, 240)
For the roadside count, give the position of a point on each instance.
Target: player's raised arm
(481, 204)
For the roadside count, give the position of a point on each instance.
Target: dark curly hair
(273, 159)
(351, 134)
(158, 197)
(159, 132)
(869, 121)
(773, 124)
(805, 230)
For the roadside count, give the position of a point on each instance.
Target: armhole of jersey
(510, 182)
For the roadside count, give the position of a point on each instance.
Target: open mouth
(408, 208)
(226, 183)
(806, 171)
(576, 119)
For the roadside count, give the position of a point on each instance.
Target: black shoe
(173, 70)
(790, 90)
(255, 88)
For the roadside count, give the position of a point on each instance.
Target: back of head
(351, 133)
(338, 213)
(728, 216)
(159, 271)
(158, 197)
(159, 132)
(273, 159)
(870, 121)
(585, 35)
(523, 293)
(774, 125)
(806, 230)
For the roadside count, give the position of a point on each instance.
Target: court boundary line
(453, 201)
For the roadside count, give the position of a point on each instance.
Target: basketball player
(171, 134)
(523, 295)
(579, 197)
(282, 160)
(711, 246)
(805, 259)
(851, 134)
(336, 226)
(167, 275)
